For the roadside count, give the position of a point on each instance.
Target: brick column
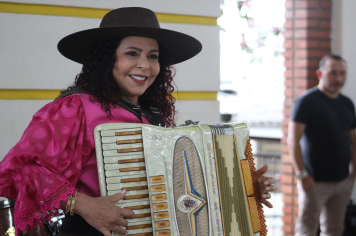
(307, 39)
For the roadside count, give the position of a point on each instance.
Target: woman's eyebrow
(154, 50)
(131, 47)
(140, 50)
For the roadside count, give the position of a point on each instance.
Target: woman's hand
(266, 185)
(102, 214)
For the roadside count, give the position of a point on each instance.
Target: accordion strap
(152, 115)
(72, 91)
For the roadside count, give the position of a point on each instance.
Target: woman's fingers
(114, 223)
(271, 188)
(266, 185)
(102, 214)
(106, 232)
(261, 171)
(119, 230)
(117, 197)
(121, 211)
(268, 180)
(266, 196)
(127, 213)
(267, 203)
(121, 222)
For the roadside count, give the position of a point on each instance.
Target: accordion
(193, 180)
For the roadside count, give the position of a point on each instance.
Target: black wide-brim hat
(130, 21)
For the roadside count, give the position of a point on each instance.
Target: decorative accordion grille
(233, 201)
(185, 221)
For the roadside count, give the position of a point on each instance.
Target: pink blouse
(55, 156)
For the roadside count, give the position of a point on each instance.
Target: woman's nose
(143, 63)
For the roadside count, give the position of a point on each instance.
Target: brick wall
(307, 39)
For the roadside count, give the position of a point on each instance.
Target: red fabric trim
(44, 208)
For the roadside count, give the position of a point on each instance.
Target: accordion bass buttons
(162, 224)
(160, 206)
(159, 197)
(161, 215)
(166, 232)
(157, 179)
(158, 191)
(158, 188)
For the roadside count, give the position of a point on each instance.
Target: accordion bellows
(194, 180)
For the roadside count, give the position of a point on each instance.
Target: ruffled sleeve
(44, 166)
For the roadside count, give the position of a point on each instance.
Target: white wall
(343, 38)
(29, 55)
(184, 7)
(29, 58)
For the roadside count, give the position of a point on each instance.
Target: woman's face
(136, 66)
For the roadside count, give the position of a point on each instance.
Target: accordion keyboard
(125, 169)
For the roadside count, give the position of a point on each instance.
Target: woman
(126, 63)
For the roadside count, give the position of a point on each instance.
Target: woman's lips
(139, 79)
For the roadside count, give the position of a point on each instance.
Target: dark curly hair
(97, 79)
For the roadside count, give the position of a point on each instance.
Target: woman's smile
(136, 66)
(140, 79)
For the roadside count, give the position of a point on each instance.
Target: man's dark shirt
(326, 145)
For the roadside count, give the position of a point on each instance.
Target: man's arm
(353, 153)
(295, 132)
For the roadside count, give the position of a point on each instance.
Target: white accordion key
(114, 139)
(128, 186)
(140, 208)
(143, 228)
(113, 162)
(123, 146)
(115, 173)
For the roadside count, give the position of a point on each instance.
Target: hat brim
(181, 47)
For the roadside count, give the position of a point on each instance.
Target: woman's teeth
(138, 77)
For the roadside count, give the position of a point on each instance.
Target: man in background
(322, 143)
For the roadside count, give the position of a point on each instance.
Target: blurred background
(251, 83)
(257, 56)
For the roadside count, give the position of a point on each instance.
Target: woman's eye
(131, 53)
(155, 57)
